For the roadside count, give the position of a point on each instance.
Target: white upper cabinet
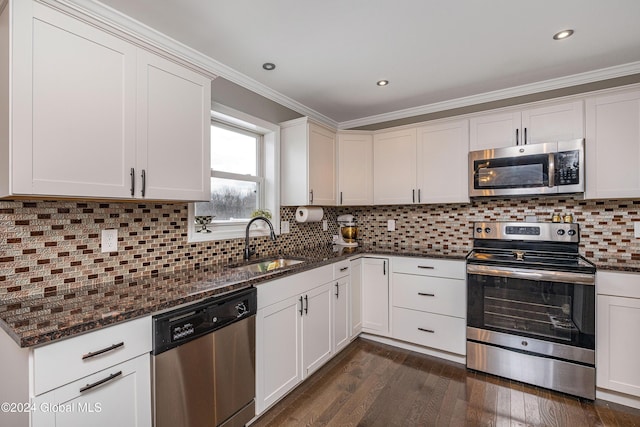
(90, 111)
(443, 152)
(174, 127)
(355, 169)
(545, 123)
(394, 167)
(307, 164)
(422, 165)
(613, 146)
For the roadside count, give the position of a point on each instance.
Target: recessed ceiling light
(562, 34)
(382, 82)
(269, 66)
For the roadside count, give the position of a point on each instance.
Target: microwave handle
(552, 170)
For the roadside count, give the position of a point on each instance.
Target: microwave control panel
(567, 168)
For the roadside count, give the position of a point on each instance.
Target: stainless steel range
(531, 306)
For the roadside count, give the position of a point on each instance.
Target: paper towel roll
(309, 214)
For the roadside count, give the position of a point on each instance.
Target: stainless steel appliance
(204, 363)
(548, 168)
(531, 306)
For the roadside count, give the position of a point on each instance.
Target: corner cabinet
(544, 123)
(95, 115)
(307, 163)
(613, 146)
(375, 295)
(355, 169)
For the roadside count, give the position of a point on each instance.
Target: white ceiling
(330, 53)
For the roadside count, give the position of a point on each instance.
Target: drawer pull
(426, 267)
(431, 331)
(104, 350)
(344, 268)
(426, 295)
(100, 382)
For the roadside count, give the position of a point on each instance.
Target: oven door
(513, 171)
(547, 306)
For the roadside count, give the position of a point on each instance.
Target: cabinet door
(551, 123)
(617, 346)
(74, 108)
(494, 131)
(316, 328)
(613, 146)
(394, 167)
(278, 343)
(375, 295)
(355, 169)
(322, 170)
(341, 326)
(443, 153)
(123, 400)
(356, 297)
(174, 127)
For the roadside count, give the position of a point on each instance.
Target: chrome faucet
(247, 249)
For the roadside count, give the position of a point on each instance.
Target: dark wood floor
(371, 384)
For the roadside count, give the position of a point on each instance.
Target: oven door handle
(543, 275)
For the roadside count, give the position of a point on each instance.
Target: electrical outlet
(109, 241)
(636, 229)
(284, 227)
(325, 225)
(391, 225)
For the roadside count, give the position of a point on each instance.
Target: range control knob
(487, 230)
(571, 232)
(560, 232)
(479, 230)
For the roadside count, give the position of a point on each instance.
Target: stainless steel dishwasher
(204, 363)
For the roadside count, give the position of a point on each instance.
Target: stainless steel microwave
(547, 168)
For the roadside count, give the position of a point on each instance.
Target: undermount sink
(267, 265)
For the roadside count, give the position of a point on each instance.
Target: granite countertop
(56, 315)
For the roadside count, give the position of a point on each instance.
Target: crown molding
(137, 30)
(528, 89)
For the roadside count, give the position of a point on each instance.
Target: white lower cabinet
(429, 303)
(294, 332)
(375, 295)
(118, 396)
(341, 324)
(617, 342)
(355, 295)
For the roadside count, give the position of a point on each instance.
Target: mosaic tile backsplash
(46, 246)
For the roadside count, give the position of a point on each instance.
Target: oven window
(559, 312)
(512, 172)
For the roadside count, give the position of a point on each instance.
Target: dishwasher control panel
(182, 325)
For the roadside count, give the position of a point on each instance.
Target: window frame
(268, 155)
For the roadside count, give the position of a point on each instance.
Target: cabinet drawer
(432, 294)
(430, 267)
(430, 330)
(65, 361)
(341, 269)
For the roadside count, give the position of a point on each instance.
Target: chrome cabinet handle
(311, 199)
(144, 182)
(426, 295)
(525, 136)
(100, 382)
(426, 267)
(413, 196)
(517, 141)
(132, 174)
(344, 268)
(341, 197)
(301, 306)
(384, 268)
(418, 195)
(337, 290)
(306, 308)
(104, 350)
(431, 331)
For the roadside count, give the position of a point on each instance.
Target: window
(244, 152)
(236, 175)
